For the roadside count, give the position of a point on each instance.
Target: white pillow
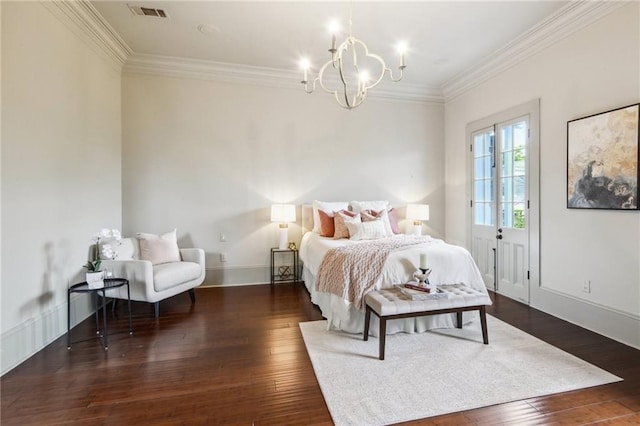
(366, 230)
(326, 206)
(382, 215)
(159, 248)
(358, 206)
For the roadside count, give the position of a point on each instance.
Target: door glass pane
(479, 168)
(488, 169)
(483, 182)
(507, 215)
(518, 162)
(519, 134)
(513, 184)
(507, 191)
(478, 146)
(488, 214)
(488, 190)
(479, 213)
(518, 215)
(518, 189)
(507, 144)
(480, 191)
(507, 163)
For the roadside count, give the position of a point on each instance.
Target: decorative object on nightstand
(292, 246)
(283, 214)
(285, 273)
(94, 276)
(417, 213)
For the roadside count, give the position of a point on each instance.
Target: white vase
(95, 279)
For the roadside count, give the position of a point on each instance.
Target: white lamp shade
(283, 213)
(418, 211)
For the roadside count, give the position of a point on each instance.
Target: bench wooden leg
(459, 319)
(383, 335)
(367, 318)
(483, 322)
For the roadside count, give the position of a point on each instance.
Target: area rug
(438, 372)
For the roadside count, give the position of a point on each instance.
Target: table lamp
(417, 213)
(283, 214)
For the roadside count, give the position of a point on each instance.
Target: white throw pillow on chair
(159, 248)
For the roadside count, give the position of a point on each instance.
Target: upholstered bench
(392, 303)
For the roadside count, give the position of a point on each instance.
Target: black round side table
(83, 287)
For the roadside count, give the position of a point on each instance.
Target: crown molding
(86, 22)
(167, 66)
(90, 25)
(566, 21)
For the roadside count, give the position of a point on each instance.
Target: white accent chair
(154, 283)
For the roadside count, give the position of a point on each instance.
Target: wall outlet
(223, 257)
(586, 286)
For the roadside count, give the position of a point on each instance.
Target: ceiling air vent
(148, 11)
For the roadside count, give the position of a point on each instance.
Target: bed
(450, 264)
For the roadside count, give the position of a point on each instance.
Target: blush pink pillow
(393, 221)
(368, 215)
(159, 248)
(339, 220)
(327, 228)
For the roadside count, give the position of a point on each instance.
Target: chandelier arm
(313, 85)
(320, 77)
(344, 84)
(395, 80)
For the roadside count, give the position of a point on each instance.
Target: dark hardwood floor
(236, 357)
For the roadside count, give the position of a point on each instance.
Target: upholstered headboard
(307, 218)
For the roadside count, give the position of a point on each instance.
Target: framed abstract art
(602, 160)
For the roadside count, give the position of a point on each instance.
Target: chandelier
(351, 68)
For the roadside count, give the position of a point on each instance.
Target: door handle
(499, 230)
(499, 236)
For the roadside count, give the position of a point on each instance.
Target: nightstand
(83, 287)
(283, 272)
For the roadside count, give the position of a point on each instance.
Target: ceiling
(445, 38)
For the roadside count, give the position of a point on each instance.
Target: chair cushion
(171, 274)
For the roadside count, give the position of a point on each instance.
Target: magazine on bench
(415, 292)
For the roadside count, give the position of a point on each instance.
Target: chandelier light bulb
(333, 26)
(402, 49)
(364, 76)
(305, 65)
(333, 30)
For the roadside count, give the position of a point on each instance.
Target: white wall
(61, 173)
(210, 158)
(593, 70)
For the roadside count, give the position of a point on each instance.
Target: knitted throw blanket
(353, 270)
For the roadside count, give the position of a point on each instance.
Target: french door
(500, 204)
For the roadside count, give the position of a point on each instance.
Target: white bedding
(449, 264)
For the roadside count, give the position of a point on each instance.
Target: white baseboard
(24, 340)
(614, 324)
(237, 275)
